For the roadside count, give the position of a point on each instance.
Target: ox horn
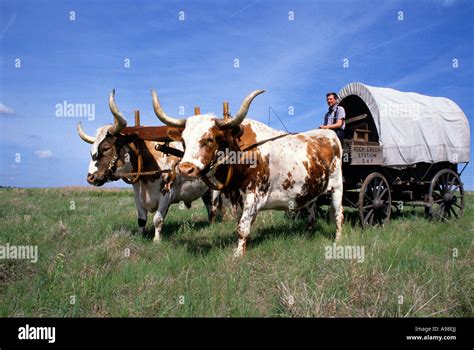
(241, 114)
(83, 135)
(180, 123)
(119, 121)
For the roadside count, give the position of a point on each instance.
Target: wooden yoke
(137, 117)
(147, 133)
(226, 112)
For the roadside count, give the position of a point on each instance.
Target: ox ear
(237, 131)
(129, 138)
(175, 133)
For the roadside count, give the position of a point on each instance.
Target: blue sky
(191, 62)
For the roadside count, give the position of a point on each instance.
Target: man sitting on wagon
(335, 117)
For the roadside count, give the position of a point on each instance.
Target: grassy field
(91, 264)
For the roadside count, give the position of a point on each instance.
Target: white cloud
(448, 3)
(44, 154)
(6, 110)
(10, 22)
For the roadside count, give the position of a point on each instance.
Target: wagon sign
(366, 154)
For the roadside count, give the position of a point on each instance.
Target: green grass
(83, 255)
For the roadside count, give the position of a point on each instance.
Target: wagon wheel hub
(377, 203)
(448, 197)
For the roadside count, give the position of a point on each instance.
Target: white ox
(291, 170)
(112, 155)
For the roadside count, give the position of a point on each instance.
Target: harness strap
(166, 149)
(135, 176)
(221, 186)
(267, 140)
(139, 173)
(144, 173)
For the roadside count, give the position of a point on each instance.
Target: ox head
(202, 135)
(109, 149)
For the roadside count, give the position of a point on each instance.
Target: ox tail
(337, 210)
(336, 163)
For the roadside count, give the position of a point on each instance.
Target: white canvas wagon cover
(414, 128)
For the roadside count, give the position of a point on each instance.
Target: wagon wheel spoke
(448, 179)
(371, 188)
(437, 195)
(438, 186)
(440, 214)
(447, 210)
(448, 186)
(371, 220)
(438, 210)
(368, 198)
(459, 208)
(386, 209)
(370, 206)
(368, 216)
(376, 186)
(383, 192)
(379, 187)
(443, 211)
(451, 183)
(454, 212)
(445, 179)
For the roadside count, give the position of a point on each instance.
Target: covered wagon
(402, 148)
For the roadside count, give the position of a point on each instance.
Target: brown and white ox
(112, 155)
(290, 172)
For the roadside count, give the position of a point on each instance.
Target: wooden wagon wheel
(446, 196)
(375, 201)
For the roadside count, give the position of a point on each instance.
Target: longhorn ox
(114, 154)
(291, 171)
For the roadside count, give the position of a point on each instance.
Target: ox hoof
(157, 240)
(238, 253)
